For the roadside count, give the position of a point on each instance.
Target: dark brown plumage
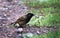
(23, 20)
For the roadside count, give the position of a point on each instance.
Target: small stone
(5, 15)
(20, 29)
(29, 34)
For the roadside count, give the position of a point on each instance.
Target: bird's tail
(12, 23)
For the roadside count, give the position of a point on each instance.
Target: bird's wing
(21, 19)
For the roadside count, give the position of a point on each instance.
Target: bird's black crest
(30, 15)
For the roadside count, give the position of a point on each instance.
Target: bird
(23, 20)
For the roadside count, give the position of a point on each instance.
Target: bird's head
(30, 15)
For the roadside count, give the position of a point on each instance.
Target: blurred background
(47, 14)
